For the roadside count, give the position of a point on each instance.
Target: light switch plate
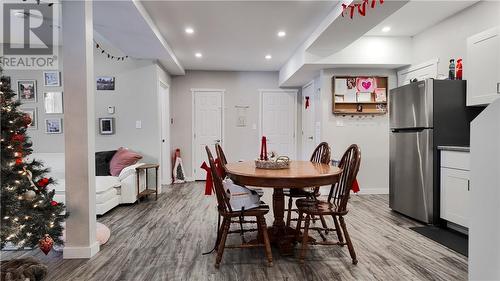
(138, 124)
(111, 109)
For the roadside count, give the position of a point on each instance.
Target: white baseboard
(189, 179)
(81, 252)
(374, 190)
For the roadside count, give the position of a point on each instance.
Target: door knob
(310, 138)
(217, 141)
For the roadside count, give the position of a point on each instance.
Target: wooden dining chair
(223, 161)
(321, 154)
(227, 214)
(335, 206)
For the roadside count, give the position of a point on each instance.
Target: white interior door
(165, 164)
(278, 121)
(207, 126)
(308, 122)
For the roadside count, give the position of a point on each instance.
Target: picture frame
(52, 78)
(53, 102)
(32, 113)
(107, 126)
(53, 126)
(26, 91)
(105, 83)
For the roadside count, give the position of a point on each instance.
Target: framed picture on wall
(53, 102)
(53, 126)
(107, 126)
(52, 78)
(105, 83)
(26, 90)
(31, 112)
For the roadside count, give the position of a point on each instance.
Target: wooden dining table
(300, 174)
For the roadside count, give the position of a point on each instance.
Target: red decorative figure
(307, 102)
(459, 69)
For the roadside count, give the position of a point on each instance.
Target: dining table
(299, 174)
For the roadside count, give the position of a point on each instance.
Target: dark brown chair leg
(348, 241)
(289, 213)
(339, 232)
(297, 229)
(305, 239)
(323, 223)
(261, 221)
(225, 229)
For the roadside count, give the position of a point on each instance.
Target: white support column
(79, 125)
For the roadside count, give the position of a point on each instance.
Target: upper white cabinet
(482, 67)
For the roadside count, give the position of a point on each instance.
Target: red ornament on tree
(27, 120)
(18, 137)
(19, 161)
(46, 244)
(43, 182)
(53, 203)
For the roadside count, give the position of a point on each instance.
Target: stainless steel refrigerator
(423, 115)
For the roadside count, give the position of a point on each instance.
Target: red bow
(355, 186)
(209, 182)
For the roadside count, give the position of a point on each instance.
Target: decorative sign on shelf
(359, 95)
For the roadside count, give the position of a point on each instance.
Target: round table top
(300, 174)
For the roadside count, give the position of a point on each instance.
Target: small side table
(147, 191)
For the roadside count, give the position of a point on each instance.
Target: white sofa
(110, 191)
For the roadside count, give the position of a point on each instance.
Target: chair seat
(315, 207)
(299, 193)
(261, 210)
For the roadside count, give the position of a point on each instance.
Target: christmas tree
(29, 215)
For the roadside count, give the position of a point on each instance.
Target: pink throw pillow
(122, 158)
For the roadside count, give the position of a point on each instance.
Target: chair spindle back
(222, 199)
(349, 164)
(321, 154)
(222, 159)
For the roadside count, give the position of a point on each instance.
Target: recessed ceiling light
(268, 57)
(198, 55)
(386, 29)
(189, 30)
(281, 34)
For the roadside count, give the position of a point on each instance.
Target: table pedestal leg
(280, 235)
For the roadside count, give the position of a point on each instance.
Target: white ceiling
(236, 35)
(418, 15)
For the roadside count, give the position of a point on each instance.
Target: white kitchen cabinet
(482, 67)
(455, 187)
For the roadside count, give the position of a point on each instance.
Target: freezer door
(411, 174)
(410, 106)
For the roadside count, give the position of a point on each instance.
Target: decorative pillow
(102, 160)
(122, 158)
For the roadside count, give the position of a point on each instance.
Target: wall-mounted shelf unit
(359, 95)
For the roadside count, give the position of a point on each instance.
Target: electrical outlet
(138, 124)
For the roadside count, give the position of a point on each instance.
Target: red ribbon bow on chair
(209, 182)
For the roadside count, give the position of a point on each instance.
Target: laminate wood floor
(164, 239)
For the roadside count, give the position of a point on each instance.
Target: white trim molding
(81, 252)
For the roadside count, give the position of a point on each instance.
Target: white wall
(42, 142)
(135, 98)
(240, 143)
(370, 133)
(447, 39)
